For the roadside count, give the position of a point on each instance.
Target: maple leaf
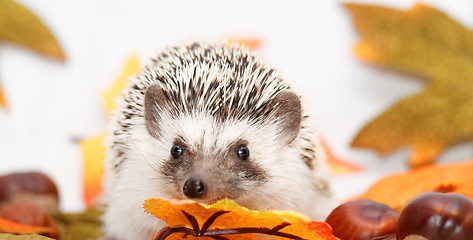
(93, 153)
(427, 43)
(82, 225)
(8, 226)
(3, 101)
(251, 43)
(226, 219)
(7, 236)
(115, 91)
(449, 178)
(337, 165)
(93, 148)
(19, 25)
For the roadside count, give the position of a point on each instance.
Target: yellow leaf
(93, 151)
(21, 26)
(115, 91)
(427, 43)
(226, 215)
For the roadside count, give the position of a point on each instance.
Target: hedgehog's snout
(194, 187)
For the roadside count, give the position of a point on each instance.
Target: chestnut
(29, 186)
(363, 219)
(437, 216)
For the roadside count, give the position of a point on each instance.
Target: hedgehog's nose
(194, 188)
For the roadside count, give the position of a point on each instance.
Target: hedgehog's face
(206, 159)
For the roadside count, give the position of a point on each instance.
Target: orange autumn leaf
(3, 101)
(424, 42)
(225, 216)
(251, 43)
(93, 151)
(93, 148)
(397, 190)
(7, 226)
(337, 165)
(115, 91)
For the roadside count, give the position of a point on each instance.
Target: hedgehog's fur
(226, 94)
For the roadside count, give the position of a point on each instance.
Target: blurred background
(52, 105)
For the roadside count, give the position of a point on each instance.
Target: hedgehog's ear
(289, 115)
(155, 101)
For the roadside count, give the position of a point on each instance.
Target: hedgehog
(207, 121)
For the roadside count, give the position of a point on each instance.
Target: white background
(52, 104)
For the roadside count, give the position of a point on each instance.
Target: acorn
(29, 186)
(363, 219)
(437, 216)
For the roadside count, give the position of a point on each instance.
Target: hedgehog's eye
(243, 152)
(176, 151)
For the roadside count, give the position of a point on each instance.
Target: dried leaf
(7, 236)
(93, 149)
(93, 153)
(79, 226)
(337, 165)
(115, 91)
(3, 101)
(30, 214)
(427, 43)
(397, 190)
(21, 26)
(7, 226)
(249, 42)
(226, 215)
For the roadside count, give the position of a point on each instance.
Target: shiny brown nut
(363, 219)
(30, 186)
(29, 213)
(437, 216)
